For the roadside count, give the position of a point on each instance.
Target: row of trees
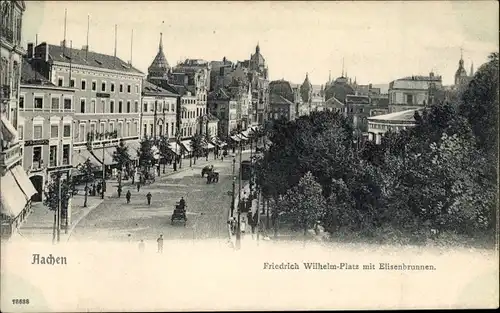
(439, 176)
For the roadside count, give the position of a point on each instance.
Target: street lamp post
(232, 194)
(103, 171)
(238, 231)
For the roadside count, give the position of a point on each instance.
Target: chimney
(46, 56)
(30, 50)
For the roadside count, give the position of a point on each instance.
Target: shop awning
(13, 200)
(108, 155)
(241, 136)
(80, 156)
(23, 181)
(245, 133)
(187, 145)
(236, 138)
(9, 133)
(175, 147)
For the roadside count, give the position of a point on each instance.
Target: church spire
(161, 42)
(342, 67)
(471, 69)
(330, 76)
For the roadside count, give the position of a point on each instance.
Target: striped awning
(23, 181)
(236, 138)
(8, 132)
(108, 155)
(175, 147)
(80, 156)
(13, 199)
(187, 145)
(133, 148)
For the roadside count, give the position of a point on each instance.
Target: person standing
(160, 244)
(119, 191)
(148, 196)
(128, 195)
(138, 186)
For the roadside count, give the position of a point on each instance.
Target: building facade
(159, 112)
(16, 188)
(396, 121)
(223, 106)
(413, 92)
(107, 95)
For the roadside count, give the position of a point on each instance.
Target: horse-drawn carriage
(179, 214)
(212, 176)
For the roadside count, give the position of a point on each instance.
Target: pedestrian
(160, 244)
(133, 179)
(142, 246)
(138, 186)
(119, 191)
(128, 195)
(129, 238)
(99, 188)
(148, 196)
(93, 189)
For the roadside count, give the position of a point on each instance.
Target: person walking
(128, 195)
(142, 245)
(138, 186)
(148, 196)
(119, 191)
(160, 244)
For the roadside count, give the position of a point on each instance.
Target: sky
(376, 41)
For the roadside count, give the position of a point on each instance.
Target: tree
(196, 146)
(86, 169)
(145, 154)
(57, 192)
(122, 159)
(304, 203)
(165, 151)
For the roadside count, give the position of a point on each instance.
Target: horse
(206, 170)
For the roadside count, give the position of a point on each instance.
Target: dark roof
(89, 58)
(282, 88)
(219, 94)
(180, 89)
(277, 99)
(333, 102)
(29, 76)
(357, 99)
(150, 88)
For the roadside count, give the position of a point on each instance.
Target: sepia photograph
(249, 155)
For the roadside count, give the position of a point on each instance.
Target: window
(111, 127)
(103, 86)
(84, 84)
(94, 85)
(172, 129)
(37, 157)
(145, 127)
(67, 130)
(65, 154)
(119, 130)
(409, 99)
(54, 131)
(112, 106)
(128, 88)
(112, 87)
(120, 106)
(92, 128)
(92, 106)
(136, 106)
(103, 106)
(134, 130)
(82, 105)
(121, 87)
(20, 131)
(127, 130)
(72, 83)
(145, 108)
(151, 127)
(38, 102)
(160, 130)
(81, 133)
(67, 104)
(128, 106)
(60, 82)
(102, 127)
(37, 131)
(21, 102)
(53, 156)
(136, 88)
(55, 103)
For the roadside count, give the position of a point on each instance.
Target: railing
(10, 155)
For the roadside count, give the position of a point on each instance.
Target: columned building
(413, 92)
(396, 121)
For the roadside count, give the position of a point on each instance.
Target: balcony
(8, 34)
(5, 92)
(11, 155)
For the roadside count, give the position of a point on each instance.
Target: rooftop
(89, 58)
(407, 115)
(148, 87)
